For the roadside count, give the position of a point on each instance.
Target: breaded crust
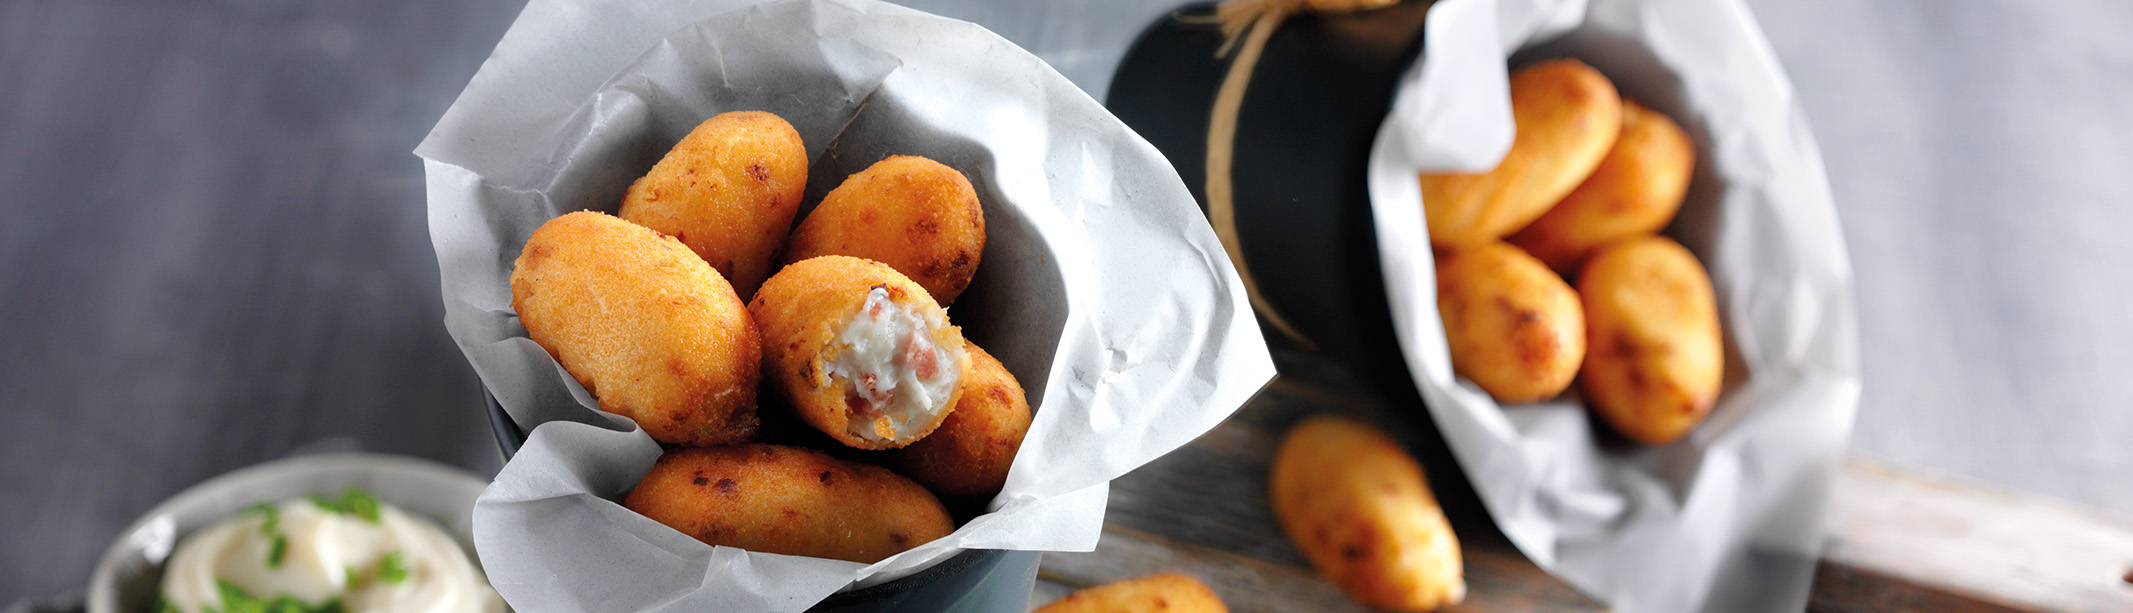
(1567, 116)
(789, 500)
(914, 214)
(729, 191)
(967, 458)
(1657, 358)
(1158, 593)
(1359, 508)
(801, 310)
(1636, 190)
(654, 333)
(1513, 327)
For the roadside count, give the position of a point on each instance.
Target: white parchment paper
(1729, 518)
(1101, 286)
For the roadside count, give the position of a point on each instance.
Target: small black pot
(1304, 134)
(1310, 116)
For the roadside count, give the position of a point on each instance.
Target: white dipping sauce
(323, 551)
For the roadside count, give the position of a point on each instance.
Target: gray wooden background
(213, 249)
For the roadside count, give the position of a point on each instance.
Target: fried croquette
(729, 191)
(1513, 327)
(1636, 190)
(789, 500)
(1359, 509)
(861, 352)
(1162, 592)
(914, 214)
(1657, 355)
(966, 460)
(1567, 116)
(646, 326)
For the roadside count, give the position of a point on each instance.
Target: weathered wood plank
(1202, 510)
(1845, 589)
(1900, 540)
(1245, 583)
(1498, 580)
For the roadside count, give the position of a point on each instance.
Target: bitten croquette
(860, 351)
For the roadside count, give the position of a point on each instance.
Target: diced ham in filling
(892, 368)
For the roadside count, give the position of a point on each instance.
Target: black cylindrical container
(1304, 135)
(975, 581)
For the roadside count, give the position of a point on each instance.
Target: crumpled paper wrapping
(1729, 518)
(1101, 287)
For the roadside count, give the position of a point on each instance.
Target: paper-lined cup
(1101, 287)
(1729, 517)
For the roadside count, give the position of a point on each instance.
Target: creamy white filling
(323, 550)
(896, 377)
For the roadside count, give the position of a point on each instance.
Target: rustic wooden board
(1899, 541)
(1931, 541)
(1202, 510)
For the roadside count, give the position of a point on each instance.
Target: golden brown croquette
(646, 326)
(729, 191)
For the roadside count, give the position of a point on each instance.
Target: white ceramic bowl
(126, 578)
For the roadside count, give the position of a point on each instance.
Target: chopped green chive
(361, 504)
(391, 568)
(231, 594)
(272, 512)
(352, 502)
(278, 550)
(236, 600)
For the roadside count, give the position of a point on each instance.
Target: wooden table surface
(213, 252)
(1898, 541)
(1202, 510)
